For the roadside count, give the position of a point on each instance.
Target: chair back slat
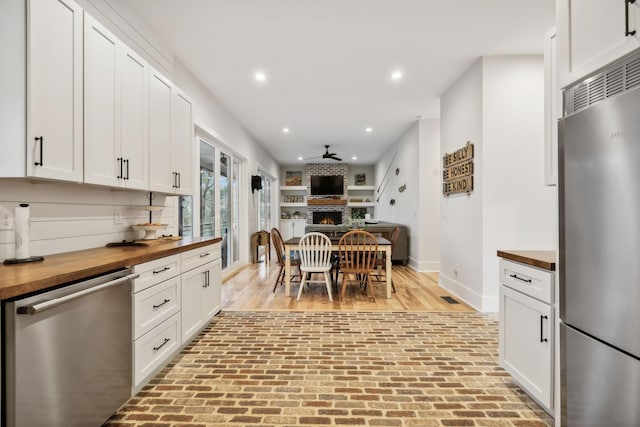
(315, 251)
(358, 250)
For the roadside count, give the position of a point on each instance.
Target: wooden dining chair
(278, 243)
(358, 250)
(315, 257)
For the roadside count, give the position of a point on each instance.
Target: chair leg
(303, 280)
(345, 279)
(279, 278)
(370, 286)
(327, 280)
(393, 287)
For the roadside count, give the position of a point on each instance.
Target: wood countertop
(21, 279)
(540, 259)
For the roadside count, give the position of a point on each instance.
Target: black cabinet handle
(542, 318)
(166, 340)
(161, 270)
(204, 255)
(179, 179)
(127, 162)
(119, 160)
(628, 33)
(515, 276)
(41, 162)
(161, 304)
(175, 179)
(206, 279)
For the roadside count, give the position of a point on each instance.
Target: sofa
(400, 252)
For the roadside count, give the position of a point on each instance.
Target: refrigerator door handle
(542, 319)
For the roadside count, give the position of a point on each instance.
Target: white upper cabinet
(160, 98)
(101, 98)
(54, 90)
(115, 111)
(592, 33)
(134, 119)
(182, 142)
(171, 137)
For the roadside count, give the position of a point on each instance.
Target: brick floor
(336, 368)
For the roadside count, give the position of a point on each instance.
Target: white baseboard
(424, 266)
(484, 304)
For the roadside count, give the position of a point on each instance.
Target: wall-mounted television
(327, 185)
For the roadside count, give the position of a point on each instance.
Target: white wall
(416, 155)
(429, 170)
(518, 208)
(497, 105)
(461, 215)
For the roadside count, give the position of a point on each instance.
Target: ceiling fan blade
(335, 158)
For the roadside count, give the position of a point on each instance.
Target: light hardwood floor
(251, 289)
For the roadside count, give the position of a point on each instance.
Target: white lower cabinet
(153, 349)
(201, 296)
(173, 298)
(527, 331)
(292, 228)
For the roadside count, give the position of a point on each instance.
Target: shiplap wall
(68, 217)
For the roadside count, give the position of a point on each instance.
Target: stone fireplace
(328, 217)
(337, 212)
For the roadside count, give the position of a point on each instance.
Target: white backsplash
(68, 217)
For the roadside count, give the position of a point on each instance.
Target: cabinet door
(134, 119)
(298, 227)
(212, 292)
(182, 142)
(54, 90)
(160, 98)
(286, 229)
(193, 283)
(526, 343)
(592, 33)
(103, 162)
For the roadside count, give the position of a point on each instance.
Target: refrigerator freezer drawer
(600, 385)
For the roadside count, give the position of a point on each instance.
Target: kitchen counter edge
(56, 269)
(537, 258)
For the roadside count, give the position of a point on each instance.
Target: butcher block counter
(540, 258)
(21, 279)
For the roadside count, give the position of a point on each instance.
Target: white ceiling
(328, 62)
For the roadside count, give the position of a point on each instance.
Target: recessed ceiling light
(300, 158)
(285, 130)
(369, 130)
(260, 76)
(396, 75)
(354, 158)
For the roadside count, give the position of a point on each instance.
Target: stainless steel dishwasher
(68, 353)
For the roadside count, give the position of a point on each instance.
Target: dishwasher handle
(46, 305)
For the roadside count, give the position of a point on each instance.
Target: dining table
(291, 245)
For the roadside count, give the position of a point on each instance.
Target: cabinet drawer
(197, 257)
(156, 271)
(532, 281)
(153, 349)
(155, 304)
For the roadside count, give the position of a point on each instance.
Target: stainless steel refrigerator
(599, 189)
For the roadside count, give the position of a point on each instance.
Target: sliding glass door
(220, 199)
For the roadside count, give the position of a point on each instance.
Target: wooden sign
(457, 173)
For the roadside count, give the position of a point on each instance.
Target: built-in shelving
(361, 192)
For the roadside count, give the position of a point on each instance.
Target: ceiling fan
(327, 155)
